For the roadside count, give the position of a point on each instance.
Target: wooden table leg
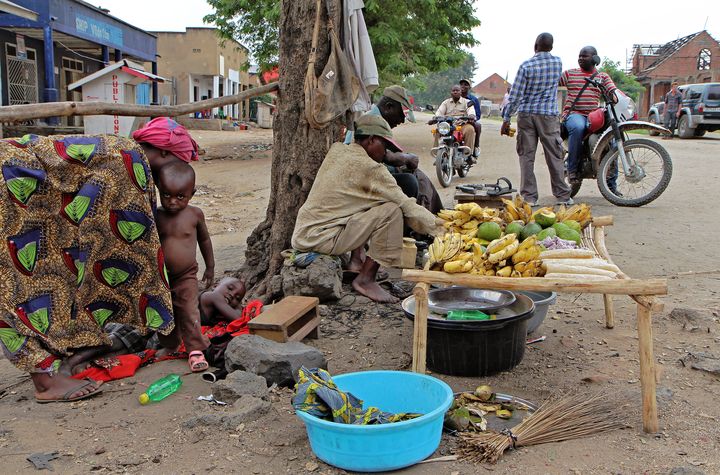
(420, 331)
(609, 311)
(647, 369)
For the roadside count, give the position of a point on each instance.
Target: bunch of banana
(529, 269)
(502, 248)
(517, 210)
(462, 262)
(579, 212)
(528, 250)
(444, 248)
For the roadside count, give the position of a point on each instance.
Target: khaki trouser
(381, 228)
(546, 129)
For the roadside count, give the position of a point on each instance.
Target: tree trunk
(298, 149)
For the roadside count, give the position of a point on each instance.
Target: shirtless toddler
(182, 229)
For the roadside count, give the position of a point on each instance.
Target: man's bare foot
(357, 259)
(372, 290)
(60, 387)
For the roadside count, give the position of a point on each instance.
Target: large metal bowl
(520, 306)
(464, 298)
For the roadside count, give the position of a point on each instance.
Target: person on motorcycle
(465, 90)
(458, 106)
(582, 99)
(534, 96)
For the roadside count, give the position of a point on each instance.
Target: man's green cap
(399, 94)
(370, 124)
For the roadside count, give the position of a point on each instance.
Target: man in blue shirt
(534, 96)
(465, 92)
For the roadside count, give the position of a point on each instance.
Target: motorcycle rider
(465, 90)
(458, 106)
(582, 99)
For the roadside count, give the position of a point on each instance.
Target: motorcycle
(641, 168)
(451, 154)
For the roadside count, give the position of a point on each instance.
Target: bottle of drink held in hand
(161, 389)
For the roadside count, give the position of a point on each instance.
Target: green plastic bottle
(468, 315)
(161, 389)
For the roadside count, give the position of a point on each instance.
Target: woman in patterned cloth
(79, 248)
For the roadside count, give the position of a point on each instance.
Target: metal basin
(441, 301)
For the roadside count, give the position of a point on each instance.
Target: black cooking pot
(477, 348)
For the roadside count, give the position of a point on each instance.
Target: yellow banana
(529, 242)
(466, 207)
(454, 267)
(490, 272)
(520, 266)
(472, 224)
(504, 253)
(504, 272)
(501, 243)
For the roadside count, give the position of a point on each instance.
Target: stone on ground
(321, 279)
(276, 362)
(238, 384)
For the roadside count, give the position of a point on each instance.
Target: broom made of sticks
(564, 418)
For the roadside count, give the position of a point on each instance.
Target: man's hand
(439, 230)
(411, 161)
(505, 128)
(678, 114)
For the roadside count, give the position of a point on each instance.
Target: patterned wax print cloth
(317, 394)
(78, 246)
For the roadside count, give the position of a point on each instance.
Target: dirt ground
(671, 237)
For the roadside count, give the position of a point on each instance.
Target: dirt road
(674, 236)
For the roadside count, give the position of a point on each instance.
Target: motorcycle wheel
(650, 173)
(444, 169)
(575, 188)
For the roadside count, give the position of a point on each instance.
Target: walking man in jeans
(534, 96)
(673, 103)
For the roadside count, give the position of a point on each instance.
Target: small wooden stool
(291, 319)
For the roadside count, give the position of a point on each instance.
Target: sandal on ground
(197, 362)
(84, 383)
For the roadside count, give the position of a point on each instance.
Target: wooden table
(641, 291)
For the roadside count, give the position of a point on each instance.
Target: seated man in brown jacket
(368, 209)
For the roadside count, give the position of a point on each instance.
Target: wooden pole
(420, 330)
(609, 311)
(647, 369)
(62, 109)
(616, 286)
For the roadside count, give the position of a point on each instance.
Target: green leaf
(80, 152)
(80, 271)
(101, 315)
(24, 139)
(165, 273)
(114, 276)
(130, 230)
(11, 339)
(77, 207)
(140, 175)
(27, 255)
(153, 318)
(22, 187)
(39, 319)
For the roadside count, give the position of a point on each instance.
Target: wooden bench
(291, 319)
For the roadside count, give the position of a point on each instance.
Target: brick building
(492, 88)
(691, 59)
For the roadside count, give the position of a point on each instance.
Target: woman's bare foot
(60, 387)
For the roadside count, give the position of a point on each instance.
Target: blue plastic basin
(376, 448)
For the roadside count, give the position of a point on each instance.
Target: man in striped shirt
(534, 96)
(578, 106)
